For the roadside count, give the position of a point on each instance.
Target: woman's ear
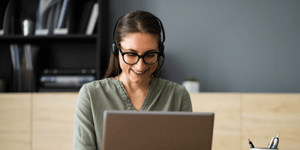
(159, 65)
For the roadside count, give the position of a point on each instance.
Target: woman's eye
(151, 55)
(131, 54)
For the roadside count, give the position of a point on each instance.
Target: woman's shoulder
(172, 85)
(103, 83)
(172, 88)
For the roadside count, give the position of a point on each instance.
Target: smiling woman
(135, 29)
(134, 45)
(131, 81)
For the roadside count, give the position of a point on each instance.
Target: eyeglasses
(132, 58)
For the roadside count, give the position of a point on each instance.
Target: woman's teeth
(138, 72)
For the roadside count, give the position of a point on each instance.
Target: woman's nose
(140, 65)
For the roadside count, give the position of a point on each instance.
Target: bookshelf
(71, 51)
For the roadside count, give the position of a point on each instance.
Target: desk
(44, 121)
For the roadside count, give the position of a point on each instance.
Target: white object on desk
(191, 84)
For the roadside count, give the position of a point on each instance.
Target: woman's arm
(186, 104)
(84, 131)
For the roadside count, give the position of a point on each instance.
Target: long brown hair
(133, 22)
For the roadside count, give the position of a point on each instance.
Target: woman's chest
(137, 100)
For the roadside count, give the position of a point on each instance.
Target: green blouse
(109, 94)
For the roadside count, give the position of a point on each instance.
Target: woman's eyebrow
(151, 50)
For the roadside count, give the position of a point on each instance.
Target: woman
(131, 81)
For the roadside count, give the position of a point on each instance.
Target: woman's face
(138, 43)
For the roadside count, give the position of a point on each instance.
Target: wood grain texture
(226, 107)
(266, 115)
(53, 121)
(15, 111)
(44, 121)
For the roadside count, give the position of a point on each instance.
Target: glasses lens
(130, 58)
(151, 58)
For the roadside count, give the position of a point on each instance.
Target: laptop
(157, 130)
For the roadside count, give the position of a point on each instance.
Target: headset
(115, 49)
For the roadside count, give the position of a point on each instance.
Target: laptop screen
(153, 130)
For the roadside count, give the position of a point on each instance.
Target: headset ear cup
(114, 49)
(160, 62)
(162, 49)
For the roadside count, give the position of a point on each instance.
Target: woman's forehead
(139, 41)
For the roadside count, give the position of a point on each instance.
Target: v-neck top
(109, 94)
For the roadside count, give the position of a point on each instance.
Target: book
(93, 19)
(17, 67)
(62, 17)
(41, 14)
(66, 79)
(68, 71)
(87, 9)
(56, 14)
(62, 31)
(67, 25)
(9, 19)
(31, 53)
(24, 62)
(15, 70)
(45, 15)
(50, 20)
(3, 5)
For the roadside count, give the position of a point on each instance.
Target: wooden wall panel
(43, 121)
(53, 120)
(15, 111)
(226, 107)
(266, 115)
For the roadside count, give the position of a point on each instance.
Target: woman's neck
(132, 87)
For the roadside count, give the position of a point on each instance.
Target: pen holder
(260, 148)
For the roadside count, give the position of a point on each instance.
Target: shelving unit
(58, 51)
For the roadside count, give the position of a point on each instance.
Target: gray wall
(228, 45)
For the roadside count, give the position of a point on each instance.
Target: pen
(276, 141)
(271, 143)
(251, 144)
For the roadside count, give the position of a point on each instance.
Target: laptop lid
(155, 130)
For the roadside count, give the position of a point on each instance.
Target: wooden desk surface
(42, 121)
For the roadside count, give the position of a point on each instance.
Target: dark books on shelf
(15, 57)
(24, 67)
(45, 17)
(68, 72)
(88, 18)
(55, 17)
(65, 22)
(52, 17)
(56, 14)
(65, 81)
(62, 79)
(8, 22)
(63, 13)
(2, 12)
(85, 15)
(31, 53)
(93, 19)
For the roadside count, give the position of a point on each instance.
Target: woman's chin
(137, 77)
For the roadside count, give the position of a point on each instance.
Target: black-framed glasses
(149, 58)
